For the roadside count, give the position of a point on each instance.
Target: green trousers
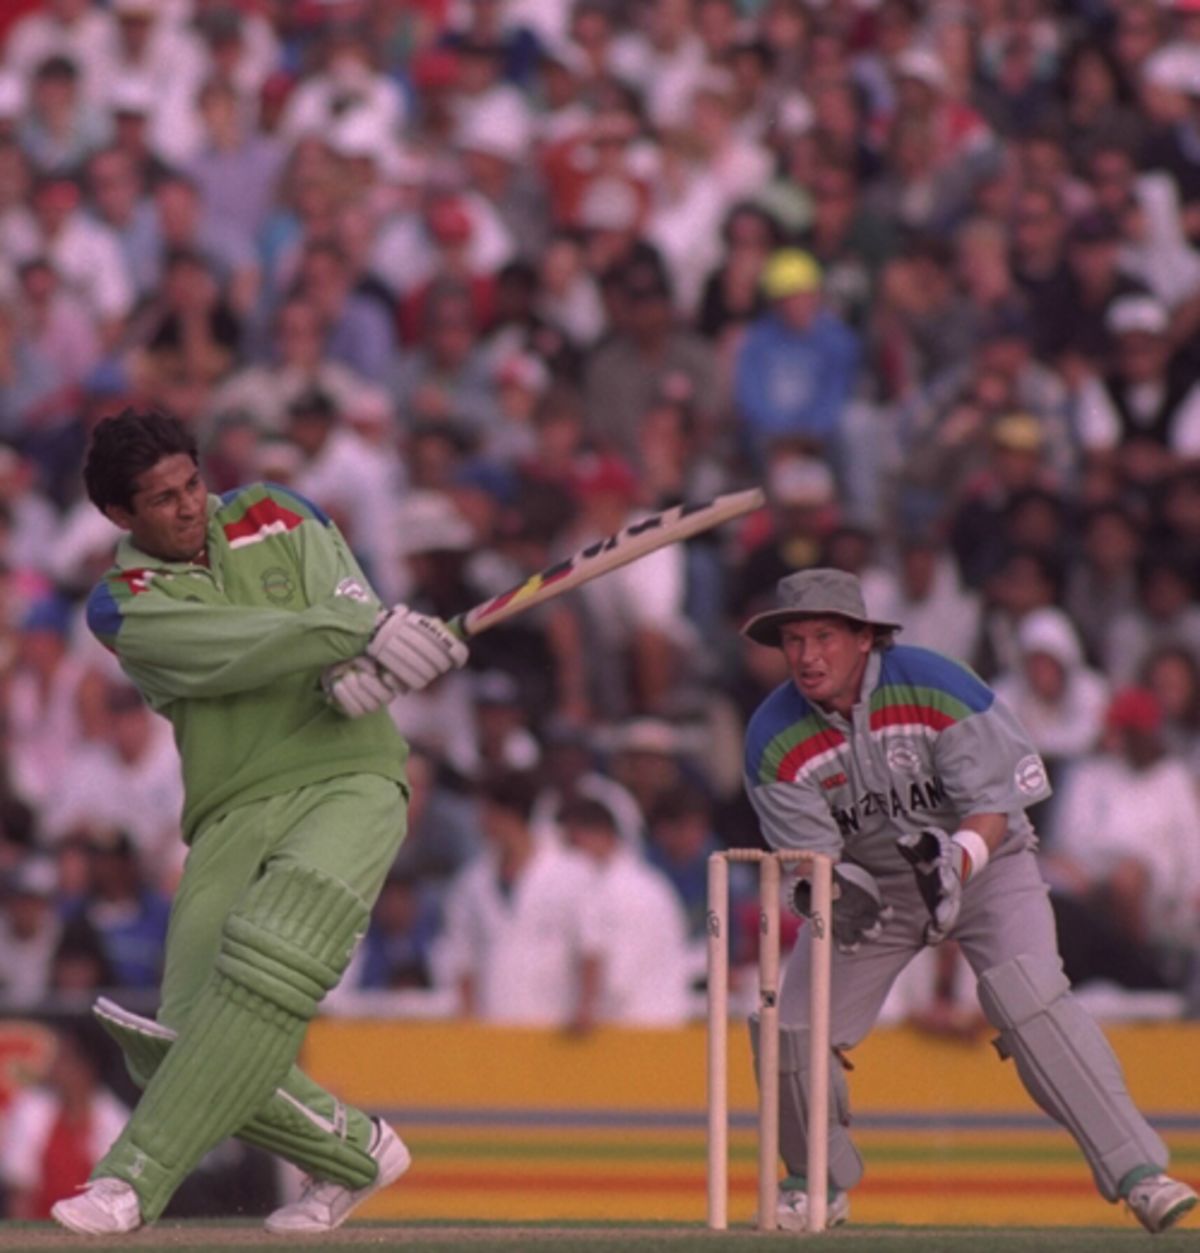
(346, 831)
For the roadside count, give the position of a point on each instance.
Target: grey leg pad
(1068, 1067)
(845, 1162)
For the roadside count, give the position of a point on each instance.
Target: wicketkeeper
(903, 764)
(246, 621)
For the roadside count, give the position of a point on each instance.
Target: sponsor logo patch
(277, 585)
(352, 589)
(903, 759)
(1030, 775)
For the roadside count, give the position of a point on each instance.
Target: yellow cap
(1021, 432)
(788, 272)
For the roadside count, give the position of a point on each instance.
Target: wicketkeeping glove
(941, 865)
(414, 648)
(358, 686)
(859, 914)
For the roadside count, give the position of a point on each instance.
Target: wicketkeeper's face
(827, 657)
(169, 512)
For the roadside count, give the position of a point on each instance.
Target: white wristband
(975, 847)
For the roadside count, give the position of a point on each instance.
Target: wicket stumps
(820, 869)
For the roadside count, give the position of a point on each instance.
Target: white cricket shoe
(792, 1214)
(1159, 1202)
(324, 1205)
(104, 1207)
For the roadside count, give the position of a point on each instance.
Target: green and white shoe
(324, 1205)
(792, 1214)
(1159, 1202)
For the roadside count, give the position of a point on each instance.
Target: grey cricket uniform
(928, 744)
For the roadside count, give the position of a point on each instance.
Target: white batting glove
(942, 865)
(414, 648)
(358, 686)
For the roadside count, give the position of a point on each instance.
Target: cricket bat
(636, 540)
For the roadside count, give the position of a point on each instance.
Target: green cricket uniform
(293, 812)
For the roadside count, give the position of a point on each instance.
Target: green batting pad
(284, 946)
(299, 1121)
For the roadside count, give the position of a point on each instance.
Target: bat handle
(458, 624)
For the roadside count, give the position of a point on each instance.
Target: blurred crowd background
(488, 279)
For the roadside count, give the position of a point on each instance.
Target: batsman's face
(168, 515)
(827, 657)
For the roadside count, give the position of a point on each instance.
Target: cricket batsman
(903, 764)
(246, 621)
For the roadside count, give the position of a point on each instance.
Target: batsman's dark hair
(126, 445)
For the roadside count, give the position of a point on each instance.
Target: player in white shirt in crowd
(635, 930)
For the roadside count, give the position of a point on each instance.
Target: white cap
(801, 481)
(500, 128)
(1173, 67)
(12, 95)
(794, 114)
(922, 64)
(567, 53)
(608, 204)
(1131, 315)
(361, 133)
(524, 370)
(132, 93)
(429, 521)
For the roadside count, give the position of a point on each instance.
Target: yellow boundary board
(528, 1125)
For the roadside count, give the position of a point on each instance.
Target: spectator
(1102, 584)
(29, 933)
(264, 391)
(398, 947)
(235, 169)
(1154, 248)
(927, 594)
(682, 836)
(1058, 698)
(57, 1129)
(127, 914)
(513, 940)
(571, 772)
(640, 643)
(59, 132)
(1165, 613)
(1126, 856)
(798, 364)
(635, 970)
(86, 254)
(622, 378)
(1172, 675)
(1148, 405)
(41, 693)
(130, 781)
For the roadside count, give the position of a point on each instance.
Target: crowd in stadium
(487, 279)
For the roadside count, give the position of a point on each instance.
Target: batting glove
(414, 648)
(358, 687)
(859, 914)
(942, 865)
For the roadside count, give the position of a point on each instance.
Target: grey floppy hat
(808, 593)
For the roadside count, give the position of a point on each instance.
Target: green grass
(426, 1237)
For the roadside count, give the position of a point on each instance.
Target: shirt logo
(1030, 775)
(352, 589)
(903, 759)
(277, 585)
(834, 780)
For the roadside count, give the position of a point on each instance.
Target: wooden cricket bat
(636, 540)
